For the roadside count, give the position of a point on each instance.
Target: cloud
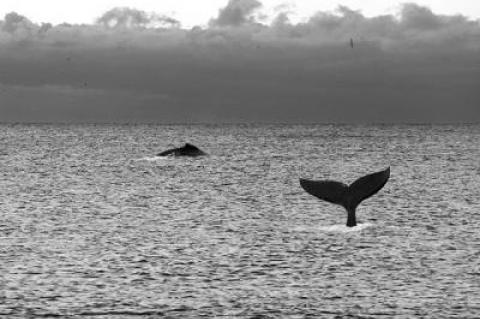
(236, 13)
(420, 18)
(133, 18)
(14, 22)
(414, 26)
(416, 65)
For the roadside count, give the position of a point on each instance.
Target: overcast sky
(199, 12)
(239, 61)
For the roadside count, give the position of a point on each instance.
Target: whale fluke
(187, 150)
(347, 196)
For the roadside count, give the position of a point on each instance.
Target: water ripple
(93, 225)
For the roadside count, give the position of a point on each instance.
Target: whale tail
(347, 196)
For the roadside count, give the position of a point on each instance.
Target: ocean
(93, 225)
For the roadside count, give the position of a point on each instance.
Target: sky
(193, 13)
(176, 61)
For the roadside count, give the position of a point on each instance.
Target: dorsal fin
(190, 146)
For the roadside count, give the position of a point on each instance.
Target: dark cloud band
(414, 66)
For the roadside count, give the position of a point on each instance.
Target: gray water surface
(92, 225)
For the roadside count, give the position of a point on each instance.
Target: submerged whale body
(186, 150)
(347, 196)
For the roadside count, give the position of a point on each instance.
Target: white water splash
(334, 228)
(155, 158)
(344, 228)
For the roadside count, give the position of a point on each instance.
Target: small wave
(344, 229)
(167, 159)
(155, 159)
(335, 228)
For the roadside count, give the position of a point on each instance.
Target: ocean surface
(93, 225)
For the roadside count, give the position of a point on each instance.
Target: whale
(348, 196)
(186, 150)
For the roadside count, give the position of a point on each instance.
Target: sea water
(93, 225)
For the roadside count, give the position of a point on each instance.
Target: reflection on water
(92, 225)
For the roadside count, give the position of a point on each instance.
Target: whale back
(167, 152)
(190, 147)
(191, 150)
(186, 150)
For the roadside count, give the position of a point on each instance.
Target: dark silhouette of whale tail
(347, 196)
